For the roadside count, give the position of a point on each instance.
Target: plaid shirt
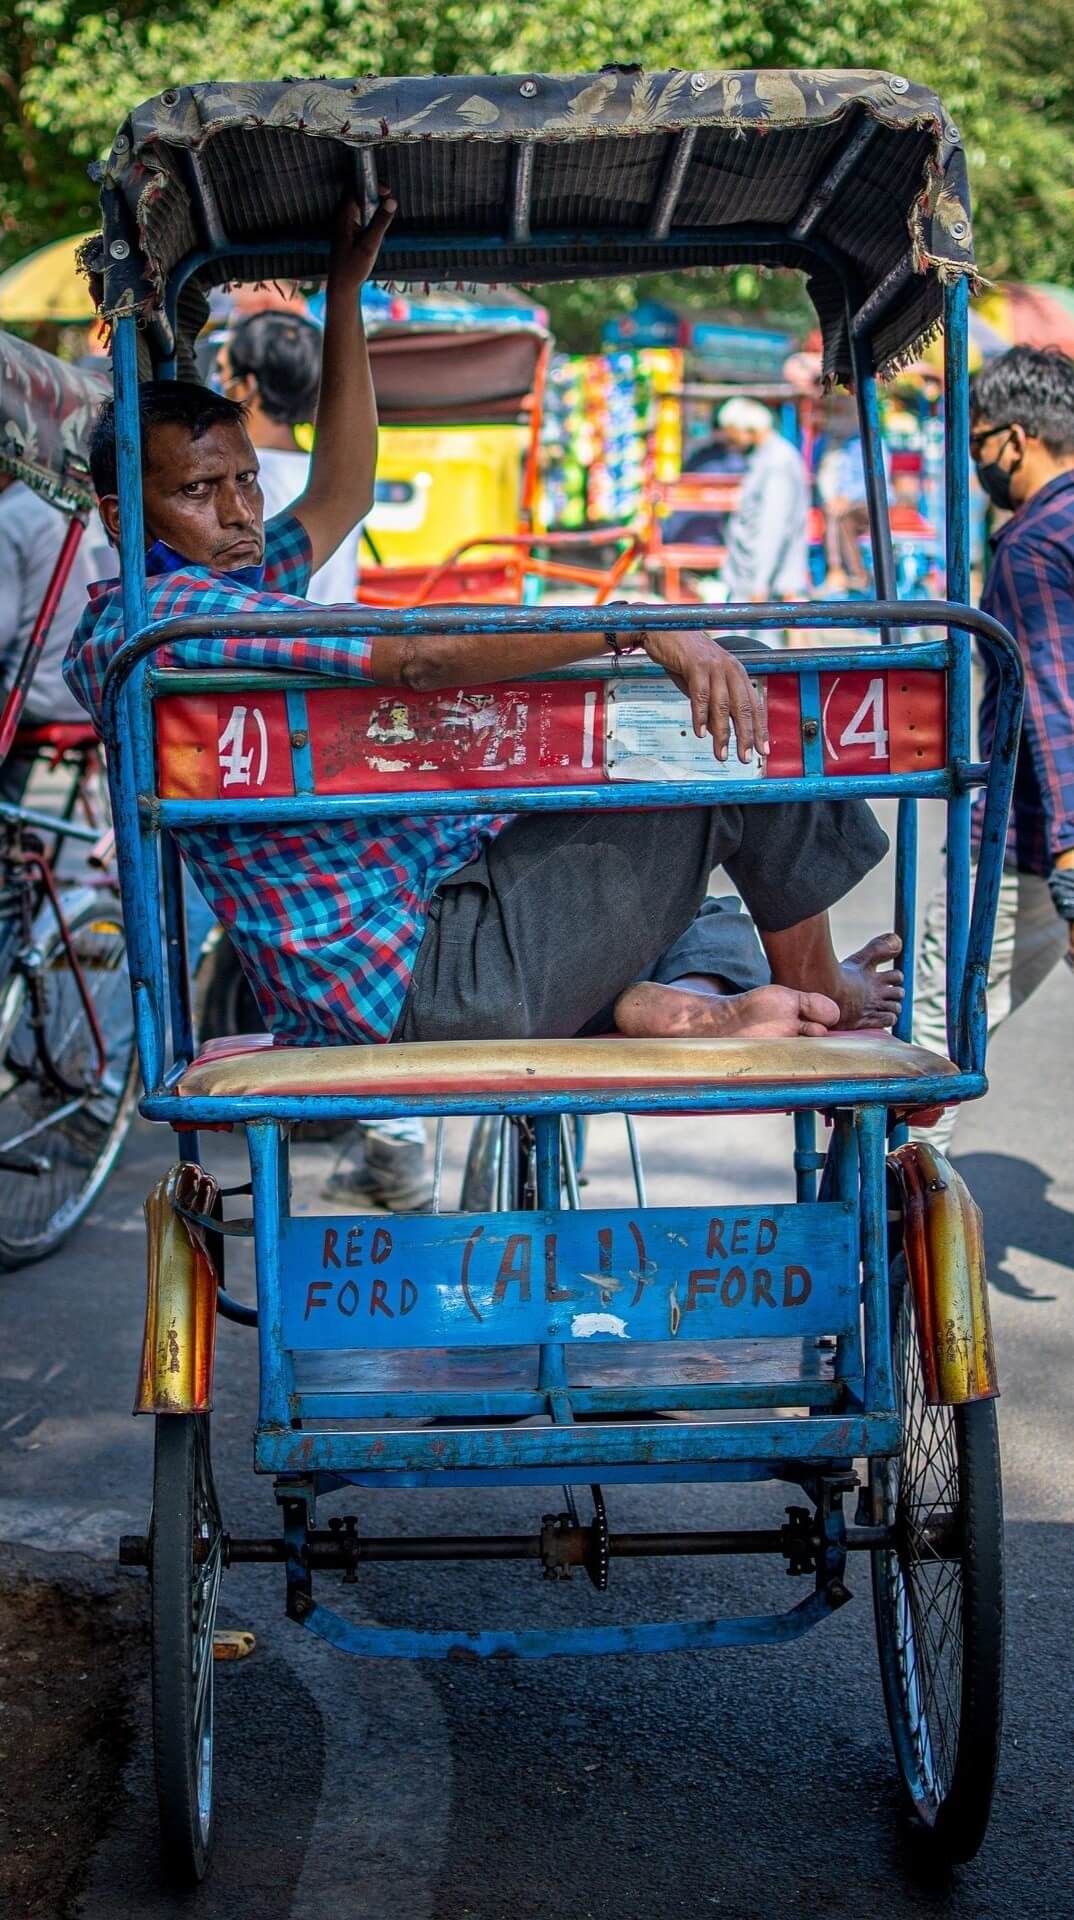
(327, 917)
(1030, 588)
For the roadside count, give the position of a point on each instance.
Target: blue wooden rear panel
(502, 1279)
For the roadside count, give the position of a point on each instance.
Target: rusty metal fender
(179, 1345)
(943, 1241)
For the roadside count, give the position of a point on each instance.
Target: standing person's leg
(382, 1164)
(1029, 941)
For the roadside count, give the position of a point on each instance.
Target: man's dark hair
(282, 351)
(1032, 387)
(161, 403)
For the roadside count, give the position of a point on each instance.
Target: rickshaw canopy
(857, 178)
(46, 416)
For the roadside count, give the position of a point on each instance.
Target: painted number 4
(866, 726)
(236, 759)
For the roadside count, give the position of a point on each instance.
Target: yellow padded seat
(252, 1065)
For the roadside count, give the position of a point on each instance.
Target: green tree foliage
(70, 69)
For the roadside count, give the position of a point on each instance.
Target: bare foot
(768, 1013)
(867, 996)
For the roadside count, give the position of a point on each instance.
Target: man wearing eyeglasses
(1022, 445)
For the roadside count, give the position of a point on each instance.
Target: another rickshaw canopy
(46, 418)
(857, 178)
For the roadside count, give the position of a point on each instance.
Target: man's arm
(1031, 593)
(339, 492)
(715, 682)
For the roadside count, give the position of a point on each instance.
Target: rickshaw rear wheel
(938, 1598)
(186, 1547)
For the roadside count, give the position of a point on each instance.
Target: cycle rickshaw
(463, 409)
(67, 1065)
(839, 1344)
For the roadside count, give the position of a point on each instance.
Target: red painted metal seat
(252, 1064)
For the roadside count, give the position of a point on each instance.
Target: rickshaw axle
(559, 1547)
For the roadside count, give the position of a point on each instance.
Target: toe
(885, 946)
(818, 1010)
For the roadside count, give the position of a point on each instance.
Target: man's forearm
(426, 662)
(344, 464)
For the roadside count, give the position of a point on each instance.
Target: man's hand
(718, 688)
(355, 248)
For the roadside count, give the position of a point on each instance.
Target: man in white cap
(768, 538)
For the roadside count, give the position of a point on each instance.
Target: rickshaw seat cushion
(254, 1065)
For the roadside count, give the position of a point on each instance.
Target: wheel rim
(924, 1576)
(72, 1134)
(208, 1560)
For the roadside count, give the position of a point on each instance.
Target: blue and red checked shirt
(1030, 589)
(327, 918)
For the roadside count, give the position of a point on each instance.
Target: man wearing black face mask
(1022, 444)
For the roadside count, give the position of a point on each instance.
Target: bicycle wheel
(186, 1543)
(938, 1597)
(61, 1123)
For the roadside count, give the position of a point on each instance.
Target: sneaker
(391, 1174)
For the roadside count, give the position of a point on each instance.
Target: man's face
(202, 496)
(997, 449)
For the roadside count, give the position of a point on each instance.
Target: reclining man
(548, 924)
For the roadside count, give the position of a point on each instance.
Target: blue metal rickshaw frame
(809, 1450)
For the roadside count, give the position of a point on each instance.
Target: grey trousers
(1030, 940)
(561, 911)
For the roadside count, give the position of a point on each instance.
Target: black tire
(77, 1150)
(939, 1602)
(226, 998)
(185, 1562)
(499, 1175)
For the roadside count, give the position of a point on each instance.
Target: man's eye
(248, 479)
(195, 489)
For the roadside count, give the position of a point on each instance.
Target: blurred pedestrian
(768, 536)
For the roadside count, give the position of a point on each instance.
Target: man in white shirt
(272, 364)
(768, 538)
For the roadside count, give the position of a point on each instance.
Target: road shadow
(1018, 1213)
(747, 1785)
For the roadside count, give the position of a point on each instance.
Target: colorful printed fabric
(46, 415)
(327, 918)
(1030, 589)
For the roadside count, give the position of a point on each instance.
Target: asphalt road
(748, 1785)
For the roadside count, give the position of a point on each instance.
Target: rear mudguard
(179, 1346)
(943, 1242)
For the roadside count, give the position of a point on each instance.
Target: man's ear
(108, 508)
